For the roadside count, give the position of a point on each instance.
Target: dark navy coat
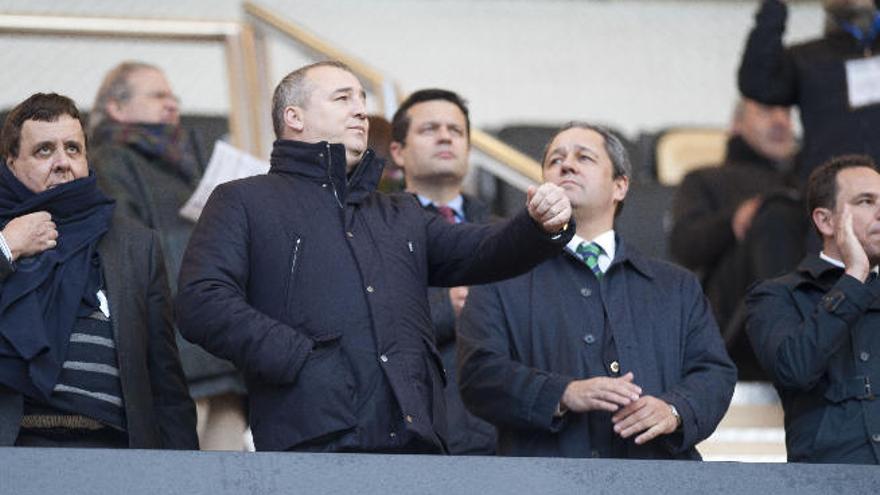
(817, 332)
(262, 286)
(522, 341)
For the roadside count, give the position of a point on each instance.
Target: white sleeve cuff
(5, 248)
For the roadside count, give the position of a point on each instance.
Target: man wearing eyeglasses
(144, 159)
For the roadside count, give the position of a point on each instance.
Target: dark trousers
(107, 438)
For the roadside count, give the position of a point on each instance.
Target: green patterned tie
(589, 252)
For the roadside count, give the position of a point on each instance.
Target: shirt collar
(839, 264)
(457, 204)
(605, 240)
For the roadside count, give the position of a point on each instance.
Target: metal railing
(234, 37)
(247, 69)
(493, 155)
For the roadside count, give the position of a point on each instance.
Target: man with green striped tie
(600, 351)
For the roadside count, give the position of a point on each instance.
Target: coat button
(586, 292)
(350, 235)
(876, 437)
(589, 338)
(392, 435)
(408, 418)
(864, 356)
(383, 358)
(615, 367)
(324, 185)
(370, 289)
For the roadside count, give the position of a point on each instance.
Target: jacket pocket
(319, 403)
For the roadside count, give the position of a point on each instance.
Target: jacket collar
(321, 162)
(630, 255)
(740, 153)
(818, 272)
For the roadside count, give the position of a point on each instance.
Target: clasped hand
(647, 416)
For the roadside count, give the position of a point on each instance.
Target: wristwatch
(558, 235)
(677, 416)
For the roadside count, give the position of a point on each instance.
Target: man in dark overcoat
(599, 351)
(815, 330)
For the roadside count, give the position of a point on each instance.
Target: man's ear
(293, 118)
(114, 110)
(396, 150)
(621, 187)
(824, 220)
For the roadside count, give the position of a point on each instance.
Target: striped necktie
(447, 213)
(589, 253)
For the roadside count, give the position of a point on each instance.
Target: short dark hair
(822, 184)
(42, 107)
(400, 122)
(294, 90)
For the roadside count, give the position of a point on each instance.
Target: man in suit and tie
(599, 351)
(431, 143)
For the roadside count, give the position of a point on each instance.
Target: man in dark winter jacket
(144, 159)
(833, 80)
(314, 285)
(815, 329)
(431, 143)
(741, 221)
(599, 351)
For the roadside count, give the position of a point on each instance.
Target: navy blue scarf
(163, 144)
(40, 301)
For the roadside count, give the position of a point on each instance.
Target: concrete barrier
(25, 471)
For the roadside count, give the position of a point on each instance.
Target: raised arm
(468, 254)
(766, 73)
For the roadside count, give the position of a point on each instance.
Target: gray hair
(115, 87)
(295, 90)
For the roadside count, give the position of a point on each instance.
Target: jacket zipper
(295, 255)
(330, 176)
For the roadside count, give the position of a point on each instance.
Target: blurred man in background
(144, 159)
(741, 221)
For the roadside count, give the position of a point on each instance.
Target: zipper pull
(410, 244)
